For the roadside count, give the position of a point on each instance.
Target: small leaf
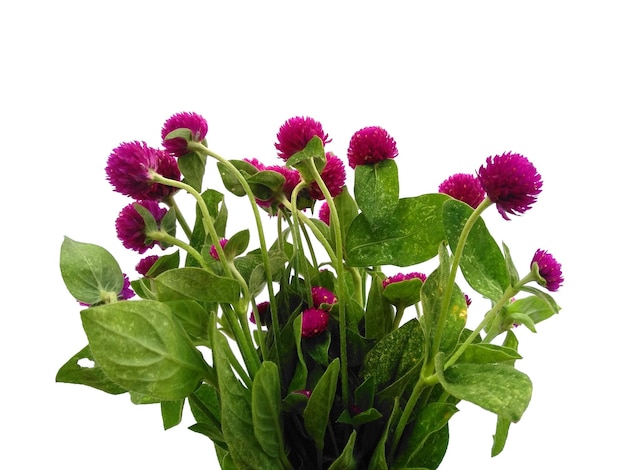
(488, 354)
(172, 413)
(376, 190)
(266, 409)
(192, 166)
(378, 312)
(499, 438)
(346, 460)
(314, 151)
(320, 403)
(196, 284)
(81, 369)
(231, 182)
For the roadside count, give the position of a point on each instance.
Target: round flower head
(145, 264)
(198, 126)
(403, 277)
(292, 178)
(129, 170)
(333, 175)
(511, 182)
(549, 270)
(321, 295)
(264, 310)
(130, 226)
(314, 322)
(324, 213)
(371, 145)
(126, 292)
(295, 133)
(213, 251)
(465, 188)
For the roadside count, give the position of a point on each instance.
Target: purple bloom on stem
(177, 146)
(464, 187)
(324, 213)
(333, 175)
(129, 169)
(126, 292)
(255, 163)
(295, 133)
(145, 264)
(321, 295)
(549, 269)
(264, 310)
(314, 322)
(511, 182)
(371, 145)
(213, 251)
(403, 277)
(130, 226)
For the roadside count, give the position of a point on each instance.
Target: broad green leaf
(196, 284)
(376, 190)
(431, 453)
(143, 348)
(430, 419)
(482, 262)
(81, 369)
(346, 460)
(498, 388)
(172, 413)
(89, 271)
(409, 235)
(320, 403)
(236, 415)
(231, 181)
(488, 354)
(378, 312)
(266, 409)
(192, 166)
(536, 308)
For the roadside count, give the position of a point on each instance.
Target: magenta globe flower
(177, 146)
(145, 264)
(213, 251)
(464, 187)
(321, 295)
(333, 175)
(314, 322)
(129, 169)
(126, 292)
(549, 270)
(511, 183)
(324, 213)
(403, 277)
(264, 311)
(371, 145)
(131, 227)
(295, 133)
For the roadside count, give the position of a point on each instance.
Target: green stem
(398, 318)
(162, 236)
(171, 202)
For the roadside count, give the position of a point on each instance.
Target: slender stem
(162, 236)
(170, 201)
(398, 318)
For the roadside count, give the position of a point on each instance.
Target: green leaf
(346, 460)
(214, 202)
(196, 284)
(314, 151)
(378, 312)
(498, 388)
(403, 293)
(482, 262)
(409, 235)
(379, 459)
(431, 453)
(320, 403)
(500, 437)
(193, 317)
(172, 413)
(205, 407)
(141, 347)
(237, 244)
(192, 166)
(536, 308)
(266, 409)
(231, 182)
(347, 210)
(488, 354)
(376, 190)
(265, 184)
(81, 369)
(89, 271)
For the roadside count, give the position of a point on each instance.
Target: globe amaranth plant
(301, 353)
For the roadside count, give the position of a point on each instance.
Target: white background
(453, 82)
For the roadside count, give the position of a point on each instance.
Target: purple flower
(314, 322)
(511, 182)
(126, 292)
(130, 226)
(295, 133)
(129, 169)
(464, 187)
(145, 264)
(321, 295)
(264, 310)
(292, 178)
(213, 251)
(549, 270)
(468, 300)
(192, 121)
(324, 213)
(371, 145)
(403, 277)
(333, 175)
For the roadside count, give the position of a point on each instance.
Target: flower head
(403, 277)
(511, 182)
(295, 133)
(464, 187)
(198, 126)
(321, 295)
(314, 322)
(371, 145)
(130, 225)
(129, 169)
(126, 292)
(264, 310)
(145, 264)
(549, 270)
(213, 251)
(324, 213)
(333, 175)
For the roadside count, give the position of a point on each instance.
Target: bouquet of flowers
(307, 352)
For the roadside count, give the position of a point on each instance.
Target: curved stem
(162, 236)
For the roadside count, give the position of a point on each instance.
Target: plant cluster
(302, 353)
